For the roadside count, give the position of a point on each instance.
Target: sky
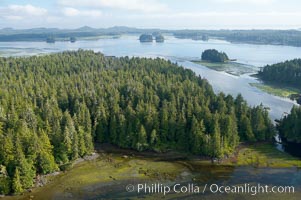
(164, 14)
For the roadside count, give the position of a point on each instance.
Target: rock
(185, 174)
(125, 156)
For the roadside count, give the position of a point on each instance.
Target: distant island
(146, 38)
(200, 37)
(50, 40)
(213, 55)
(72, 39)
(159, 38)
(205, 37)
(273, 37)
(219, 61)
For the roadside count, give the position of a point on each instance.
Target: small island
(160, 38)
(213, 55)
(220, 61)
(205, 38)
(72, 39)
(146, 38)
(50, 40)
(200, 37)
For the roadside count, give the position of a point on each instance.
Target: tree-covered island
(159, 38)
(50, 39)
(72, 39)
(146, 38)
(212, 55)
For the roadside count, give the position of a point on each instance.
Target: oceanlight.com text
(159, 188)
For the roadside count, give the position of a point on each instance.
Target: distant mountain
(6, 30)
(85, 29)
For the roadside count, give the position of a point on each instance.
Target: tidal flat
(107, 176)
(233, 68)
(281, 91)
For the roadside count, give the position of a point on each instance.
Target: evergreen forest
(55, 108)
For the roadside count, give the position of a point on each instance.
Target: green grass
(265, 155)
(107, 169)
(276, 90)
(233, 68)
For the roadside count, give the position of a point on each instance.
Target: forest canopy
(146, 38)
(287, 73)
(53, 108)
(290, 126)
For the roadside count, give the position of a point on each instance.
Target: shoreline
(230, 67)
(124, 165)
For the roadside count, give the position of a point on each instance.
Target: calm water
(182, 52)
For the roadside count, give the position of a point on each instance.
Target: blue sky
(171, 14)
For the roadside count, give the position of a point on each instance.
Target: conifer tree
(142, 139)
(45, 159)
(16, 183)
(216, 147)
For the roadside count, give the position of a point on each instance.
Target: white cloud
(27, 10)
(217, 20)
(137, 5)
(72, 12)
(215, 15)
(20, 12)
(13, 17)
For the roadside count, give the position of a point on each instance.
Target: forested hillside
(290, 126)
(288, 73)
(54, 107)
(273, 37)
